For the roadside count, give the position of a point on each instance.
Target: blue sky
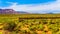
(33, 6)
(4, 2)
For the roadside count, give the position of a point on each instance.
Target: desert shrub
(33, 28)
(44, 21)
(41, 27)
(9, 26)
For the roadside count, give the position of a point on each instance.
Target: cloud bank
(36, 8)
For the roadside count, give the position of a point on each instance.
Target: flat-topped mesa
(8, 11)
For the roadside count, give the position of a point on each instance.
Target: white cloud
(37, 8)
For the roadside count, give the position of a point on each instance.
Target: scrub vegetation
(30, 24)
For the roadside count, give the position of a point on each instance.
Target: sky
(32, 6)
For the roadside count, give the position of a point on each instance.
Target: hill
(11, 11)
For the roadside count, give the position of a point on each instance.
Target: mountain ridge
(11, 11)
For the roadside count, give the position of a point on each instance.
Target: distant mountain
(22, 12)
(50, 13)
(11, 11)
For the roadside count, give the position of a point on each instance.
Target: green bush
(9, 26)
